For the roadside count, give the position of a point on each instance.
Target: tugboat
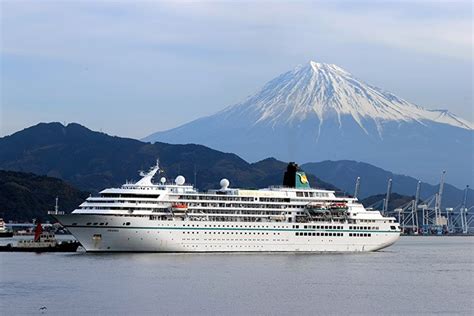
(3, 230)
(43, 242)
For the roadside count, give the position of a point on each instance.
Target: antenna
(160, 170)
(356, 191)
(56, 208)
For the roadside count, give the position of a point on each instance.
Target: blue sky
(132, 68)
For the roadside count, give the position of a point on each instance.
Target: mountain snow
(332, 92)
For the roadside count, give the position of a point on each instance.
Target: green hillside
(24, 196)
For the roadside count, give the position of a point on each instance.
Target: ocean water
(417, 275)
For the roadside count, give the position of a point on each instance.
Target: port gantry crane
(456, 220)
(387, 197)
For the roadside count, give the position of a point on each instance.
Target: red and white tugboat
(42, 242)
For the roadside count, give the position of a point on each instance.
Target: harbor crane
(414, 208)
(438, 220)
(387, 197)
(463, 212)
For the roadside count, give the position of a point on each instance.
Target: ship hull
(103, 233)
(63, 247)
(6, 234)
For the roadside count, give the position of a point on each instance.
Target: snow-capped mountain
(320, 111)
(329, 91)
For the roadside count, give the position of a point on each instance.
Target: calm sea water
(415, 276)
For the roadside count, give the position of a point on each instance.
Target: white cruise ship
(175, 217)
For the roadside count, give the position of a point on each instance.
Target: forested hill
(92, 161)
(25, 196)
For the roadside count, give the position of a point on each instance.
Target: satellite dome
(179, 180)
(163, 180)
(224, 184)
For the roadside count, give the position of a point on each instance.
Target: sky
(131, 68)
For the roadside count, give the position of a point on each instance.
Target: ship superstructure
(175, 217)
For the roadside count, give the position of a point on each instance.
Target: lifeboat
(318, 207)
(179, 207)
(338, 206)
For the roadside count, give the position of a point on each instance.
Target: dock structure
(428, 217)
(450, 220)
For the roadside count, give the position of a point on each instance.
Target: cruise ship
(176, 217)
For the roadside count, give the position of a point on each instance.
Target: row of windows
(227, 246)
(239, 205)
(363, 228)
(359, 235)
(229, 233)
(319, 234)
(118, 208)
(366, 221)
(293, 226)
(279, 200)
(374, 221)
(322, 227)
(105, 201)
(101, 224)
(217, 198)
(243, 211)
(226, 239)
(93, 224)
(336, 218)
(118, 195)
(134, 187)
(230, 219)
(312, 194)
(231, 226)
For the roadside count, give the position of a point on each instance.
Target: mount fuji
(322, 112)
